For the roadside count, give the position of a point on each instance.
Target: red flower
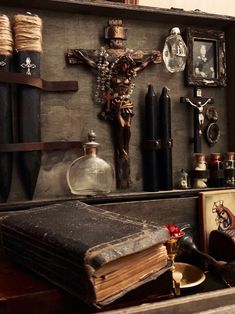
(174, 230)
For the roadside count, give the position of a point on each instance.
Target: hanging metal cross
(198, 103)
(28, 65)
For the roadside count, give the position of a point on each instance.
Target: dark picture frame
(206, 62)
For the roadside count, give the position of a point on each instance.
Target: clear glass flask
(90, 174)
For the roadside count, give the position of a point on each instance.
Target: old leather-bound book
(94, 254)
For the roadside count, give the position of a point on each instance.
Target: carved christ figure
(117, 68)
(199, 103)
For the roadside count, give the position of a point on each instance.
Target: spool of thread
(28, 32)
(6, 40)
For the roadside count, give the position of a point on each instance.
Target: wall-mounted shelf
(120, 10)
(93, 9)
(110, 198)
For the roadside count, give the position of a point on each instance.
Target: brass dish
(192, 275)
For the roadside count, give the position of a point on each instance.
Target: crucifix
(199, 104)
(116, 68)
(28, 65)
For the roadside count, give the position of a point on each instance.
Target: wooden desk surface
(24, 292)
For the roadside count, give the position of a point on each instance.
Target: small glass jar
(215, 166)
(229, 169)
(175, 51)
(200, 172)
(90, 174)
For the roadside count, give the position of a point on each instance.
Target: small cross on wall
(28, 65)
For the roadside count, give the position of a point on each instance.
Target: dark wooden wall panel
(70, 116)
(230, 45)
(178, 211)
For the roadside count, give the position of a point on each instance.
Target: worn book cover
(94, 254)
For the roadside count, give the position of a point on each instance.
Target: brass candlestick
(172, 246)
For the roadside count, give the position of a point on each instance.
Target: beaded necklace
(104, 75)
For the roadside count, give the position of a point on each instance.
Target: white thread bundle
(6, 40)
(28, 33)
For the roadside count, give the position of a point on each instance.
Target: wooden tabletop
(24, 292)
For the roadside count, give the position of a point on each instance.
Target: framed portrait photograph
(216, 212)
(206, 64)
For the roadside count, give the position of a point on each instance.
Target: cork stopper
(215, 156)
(175, 31)
(199, 157)
(91, 146)
(28, 32)
(6, 40)
(229, 155)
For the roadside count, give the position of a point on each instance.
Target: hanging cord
(28, 33)
(6, 40)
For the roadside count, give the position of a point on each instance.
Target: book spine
(69, 274)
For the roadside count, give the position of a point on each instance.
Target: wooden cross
(114, 88)
(198, 103)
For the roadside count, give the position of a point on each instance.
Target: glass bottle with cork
(200, 172)
(229, 169)
(90, 174)
(215, 166)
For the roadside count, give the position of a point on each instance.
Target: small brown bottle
(229, 169)
(200, 172)
(215, 166)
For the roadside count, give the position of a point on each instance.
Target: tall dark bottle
(165, 154)
(215, 166)
(6, 133)
(28, 58)
(6, 136)
(150, 135)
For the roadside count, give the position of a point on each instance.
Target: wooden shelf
(144, 13)
(110, 198)
(127, 11)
